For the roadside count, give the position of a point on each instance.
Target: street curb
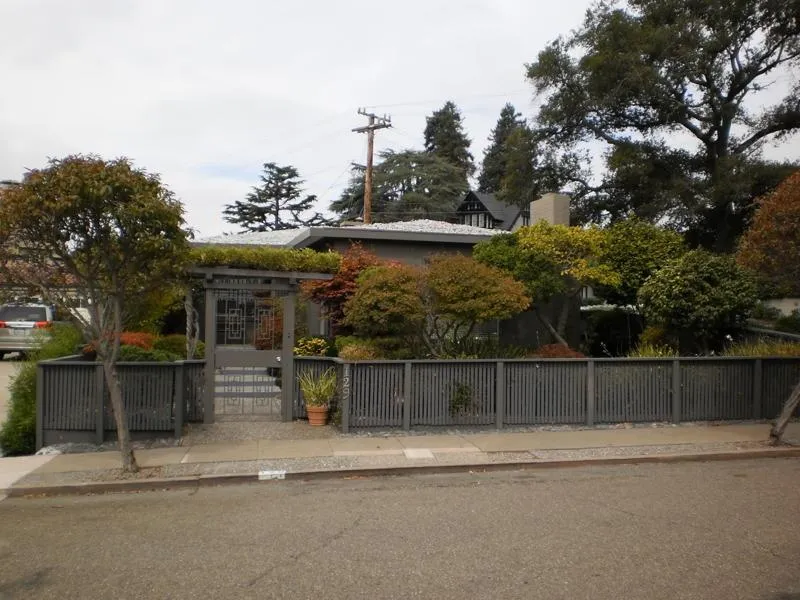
(196, 481)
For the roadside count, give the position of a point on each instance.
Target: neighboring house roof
(407, 231)
(506, 214)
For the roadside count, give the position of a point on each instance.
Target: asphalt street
(717, 530)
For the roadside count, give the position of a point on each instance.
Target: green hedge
(176, 344)
(18, 434)
(136, 354)
(266, 258)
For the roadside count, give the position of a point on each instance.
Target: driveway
(690, 531)
(7, 369)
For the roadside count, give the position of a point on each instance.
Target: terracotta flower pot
(317, 415)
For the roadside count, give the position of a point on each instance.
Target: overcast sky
(205, 91)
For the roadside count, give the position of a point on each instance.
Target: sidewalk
(279, 457)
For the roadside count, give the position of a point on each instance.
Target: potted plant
(318, 392)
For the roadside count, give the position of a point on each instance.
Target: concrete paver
(156, 457)
(439, 443)
(222, 452)
(366, 446)
(293, 448)
(13, 468)
(91, 461)
(418, 453)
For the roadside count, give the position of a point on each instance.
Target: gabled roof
(505, 213)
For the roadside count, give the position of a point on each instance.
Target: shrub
(611, 332)
(789, 323)
(266, 258)
(390, 347)
(334, 293)
(555, 351)
(18, 433)
(360, 350)
(763, 348)
(765, 312)
(699, 299)
(312, 346)
(140, 339)
(653, 336)
(645, 350)
(340, 341)
(176, 344)
(477, 347)
(137, 354)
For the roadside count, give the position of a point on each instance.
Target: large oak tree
(667, 87)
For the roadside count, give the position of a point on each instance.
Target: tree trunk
(123, 435)
(192, 325)
(546, 322)
(110, 357)
(776, 433)
(563, 317)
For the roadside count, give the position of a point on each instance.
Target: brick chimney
(553, 208)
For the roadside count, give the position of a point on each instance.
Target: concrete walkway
(394, 452)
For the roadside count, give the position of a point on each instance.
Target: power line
(455, 99)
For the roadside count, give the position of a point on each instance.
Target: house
(412, 242)
(478, 209)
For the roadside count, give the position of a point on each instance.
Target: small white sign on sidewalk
(265, 475)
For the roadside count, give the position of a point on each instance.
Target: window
(23, 313)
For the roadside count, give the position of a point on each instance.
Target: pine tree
(494, 157)
(445, 137)
(350, 204)
(520, 178)
(266, 207)
(407, 185)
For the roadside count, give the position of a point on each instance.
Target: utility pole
(375, 122)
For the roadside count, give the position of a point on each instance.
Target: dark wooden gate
(249, 335)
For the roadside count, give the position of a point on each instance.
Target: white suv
(22, 326)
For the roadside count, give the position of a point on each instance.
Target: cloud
(204, 91)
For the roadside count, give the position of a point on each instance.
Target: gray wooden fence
(562, 391)
(73, 403)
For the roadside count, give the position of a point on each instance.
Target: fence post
(99, 396)
(407, 396)
(177, 398)
(676, 390)
(39, 406)
(590, 393)
(758, 370)
(346, 374)
(211, 347)
(500, 393)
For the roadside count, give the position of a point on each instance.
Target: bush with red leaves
(556, 351)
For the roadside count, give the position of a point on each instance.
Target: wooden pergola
(219, 281)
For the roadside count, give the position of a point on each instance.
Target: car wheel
(2, 355)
